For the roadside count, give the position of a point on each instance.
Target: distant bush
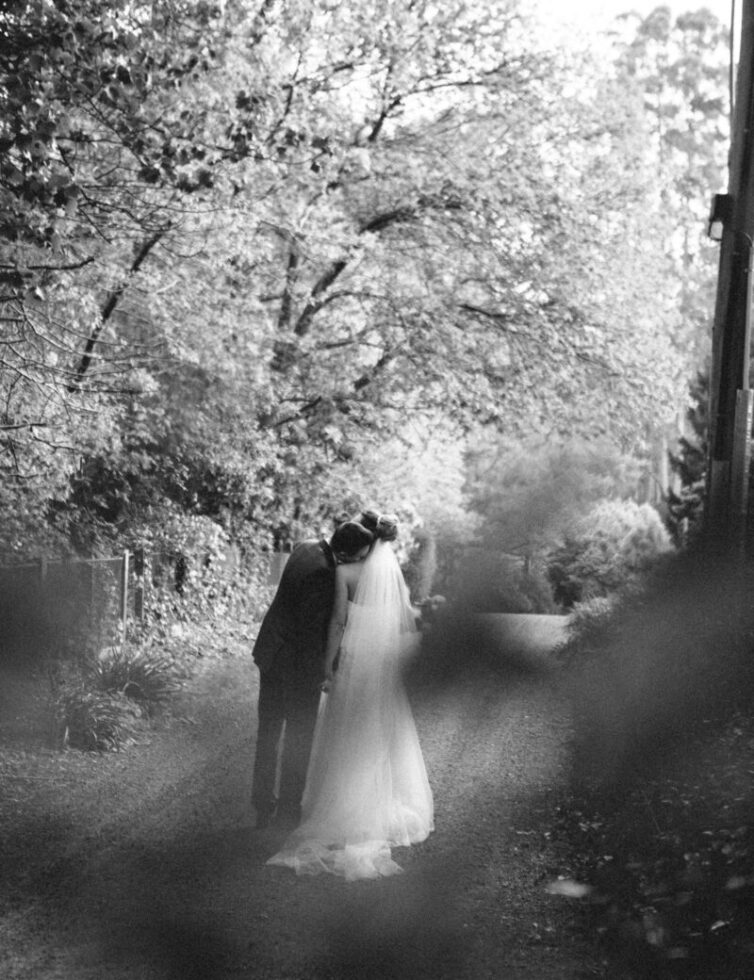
(527, 492)
(421, 568)
(493, 583)
(588, 626)
(612, 547)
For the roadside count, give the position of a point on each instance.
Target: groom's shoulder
(306, 548)
(309, 553)
(306, 545)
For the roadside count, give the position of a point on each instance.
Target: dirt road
(145, 866)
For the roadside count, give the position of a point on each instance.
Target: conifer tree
(689, 463)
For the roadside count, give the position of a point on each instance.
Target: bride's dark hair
(383, 526)
(350, 537)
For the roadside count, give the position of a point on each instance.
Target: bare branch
(286, 303)
(21, 425)
(112, 302)
(376, 224)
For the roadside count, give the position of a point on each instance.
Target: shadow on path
(186, 895)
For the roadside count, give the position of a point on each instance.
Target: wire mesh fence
(51, 605)
(58, 607)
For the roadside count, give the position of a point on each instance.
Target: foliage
(261, 263)
(419, 475)
(421, 569)
(611, 547)
(681, 65)
(143, 674)
(200, 574)
(487, 581)
(98, 720)
(91, 130)
(528, 492)
(245, 247)
(474, 307)
(588, 628)
(530, 592)
(667, 864)
(686, 506)
(658, 818)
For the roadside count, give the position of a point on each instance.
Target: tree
(101, 151)
(609, 549)
(681, 67)
(686, 502)
(529, 493)
(286, 231)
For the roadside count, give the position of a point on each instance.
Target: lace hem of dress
(367, 859)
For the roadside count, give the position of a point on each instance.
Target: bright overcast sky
(597, 13)
(579, 21)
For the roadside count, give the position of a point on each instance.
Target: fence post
(92, 595)
(124, 596)
(278, 561)
(139, 585)
(43, 563)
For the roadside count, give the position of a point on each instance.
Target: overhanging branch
(110, 305)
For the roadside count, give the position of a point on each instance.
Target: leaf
(568, 888)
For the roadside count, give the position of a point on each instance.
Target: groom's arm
(337, 622)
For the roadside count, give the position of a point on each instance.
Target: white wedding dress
(367, 788)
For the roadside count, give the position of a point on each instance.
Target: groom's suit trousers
(288, 703)
(289, 652)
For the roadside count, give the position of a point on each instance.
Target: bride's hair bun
(383, 526)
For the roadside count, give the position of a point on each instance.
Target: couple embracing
(330, 651)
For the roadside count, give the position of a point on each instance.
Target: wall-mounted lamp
(720, 213)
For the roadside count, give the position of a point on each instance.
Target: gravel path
(145, 866)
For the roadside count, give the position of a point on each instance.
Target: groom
(290, 652)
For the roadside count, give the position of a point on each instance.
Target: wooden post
(278, 561)
(124, 595)
(139, 562)
(729, 457)
(741, 464)
(90, 567)
(42, 597)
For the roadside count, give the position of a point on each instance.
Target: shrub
(528, 492)
(685, 502)
(588, 626)
(195, 574)
(421, 567)
(490, 582)
(612, 547)
(141, 674)
(98, 720)
(103, 705)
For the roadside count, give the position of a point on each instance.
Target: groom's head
(351, 542)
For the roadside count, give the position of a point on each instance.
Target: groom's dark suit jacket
(292, 637)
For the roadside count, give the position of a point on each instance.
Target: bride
(366, 787)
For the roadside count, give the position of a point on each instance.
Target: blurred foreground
(143, 863)
(596, 810)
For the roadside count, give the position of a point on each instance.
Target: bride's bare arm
(337, 620)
